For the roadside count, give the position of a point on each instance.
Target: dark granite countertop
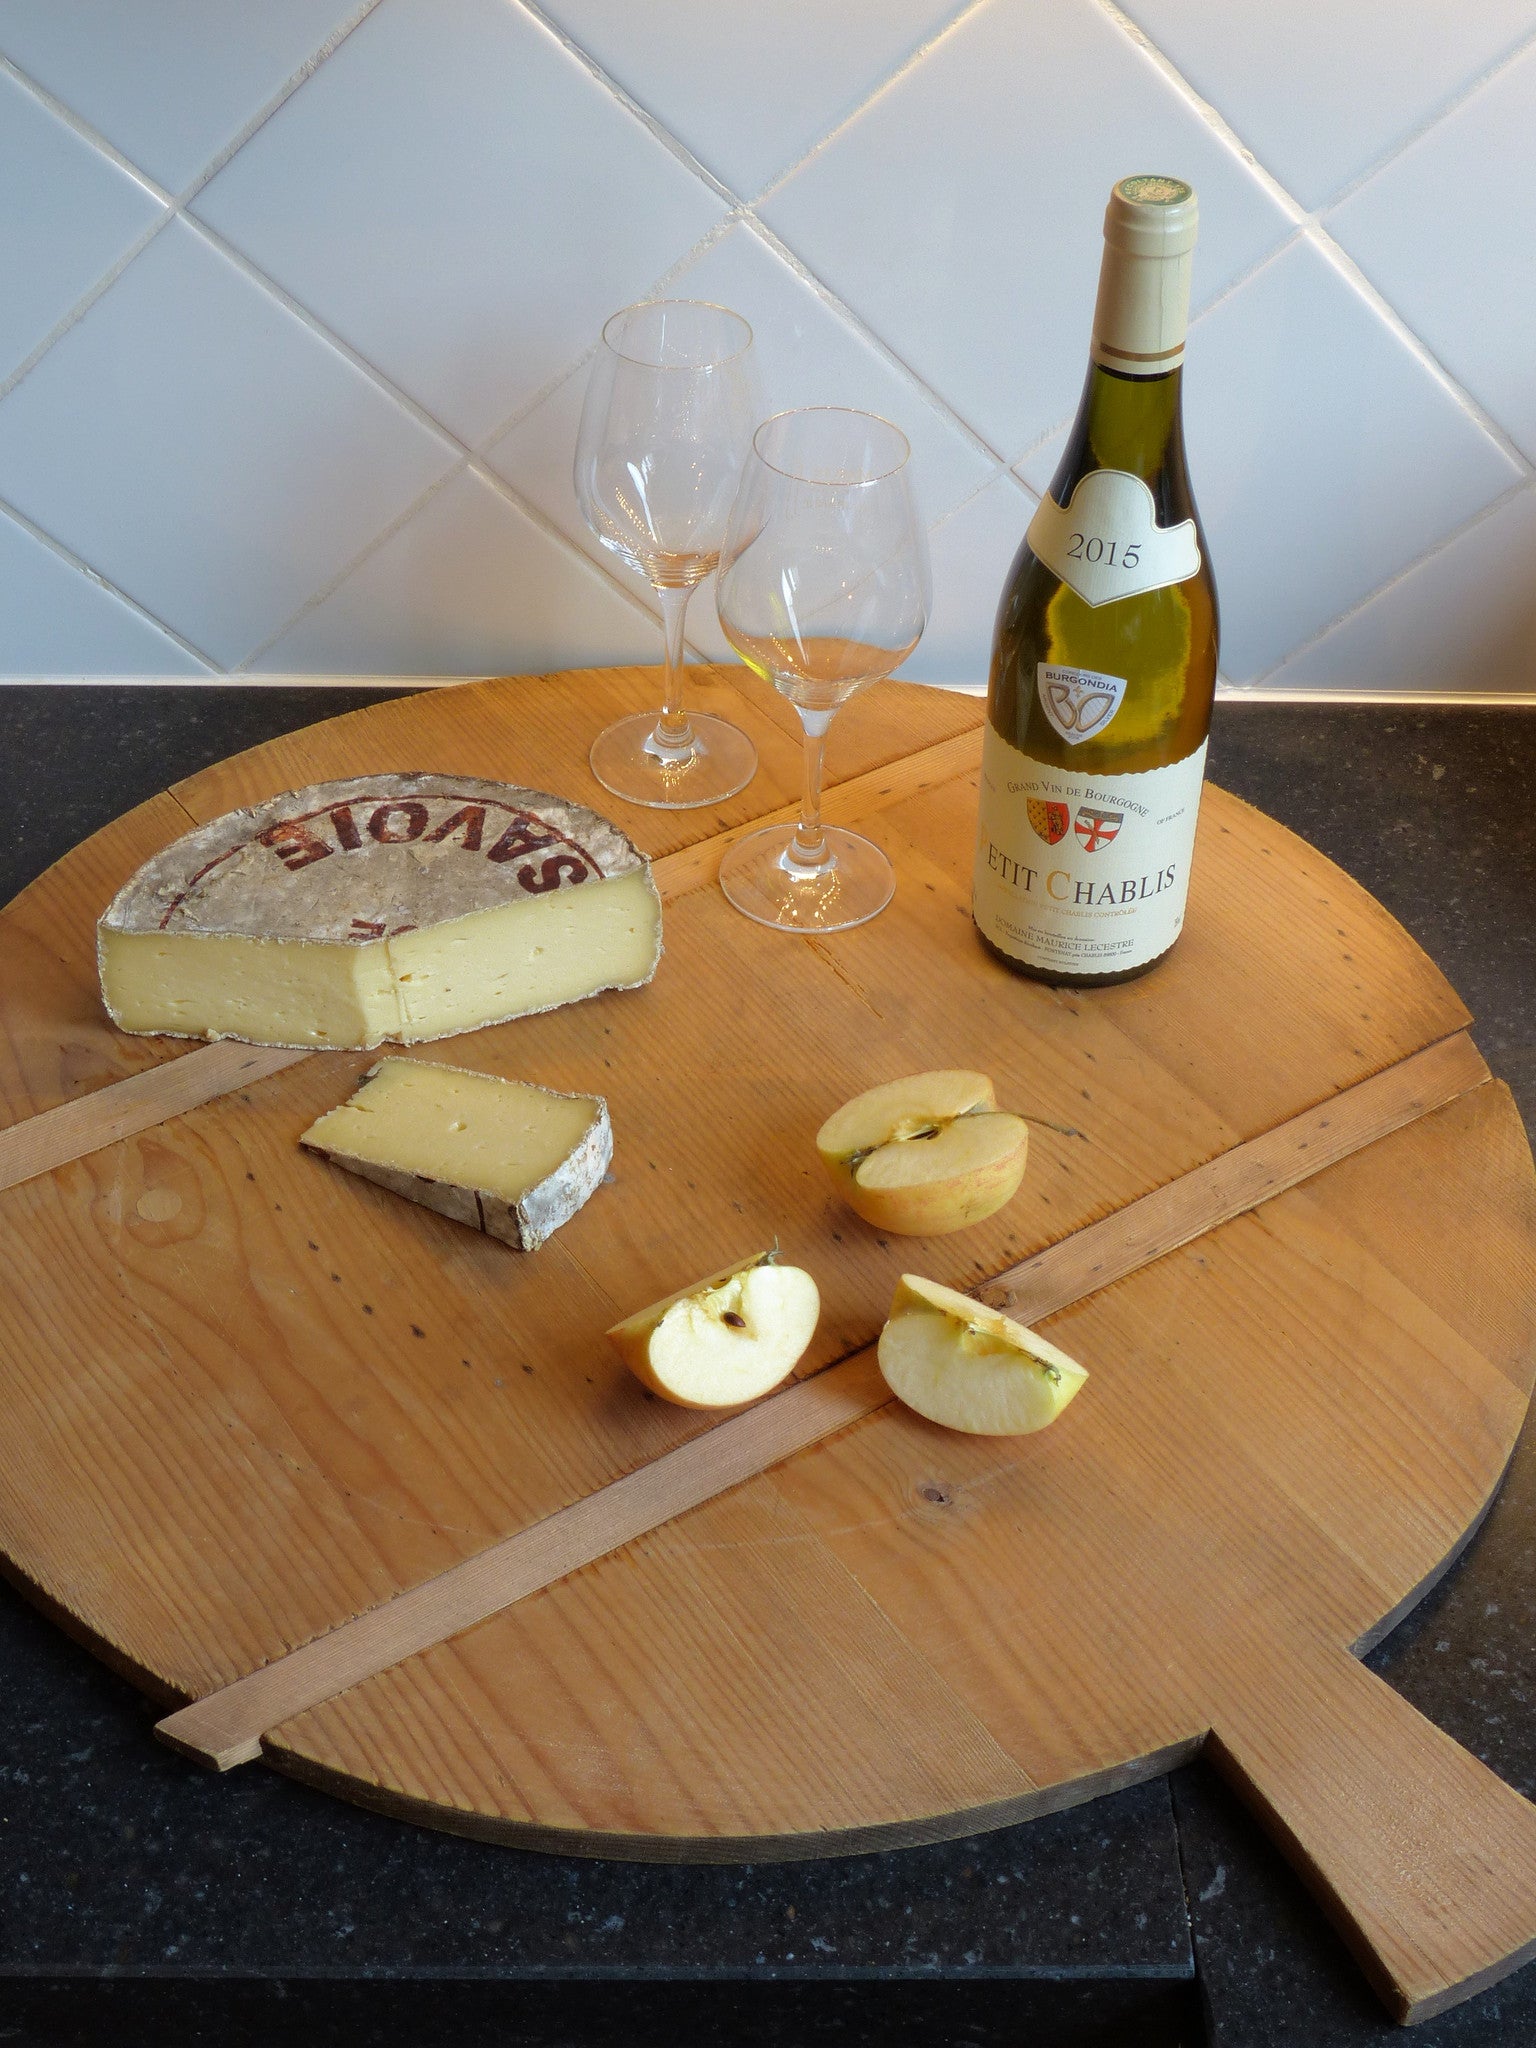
(139, 1895)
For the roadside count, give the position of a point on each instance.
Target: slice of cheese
(505, 1157)
(392, 906)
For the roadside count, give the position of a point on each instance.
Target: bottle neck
(1130, 423)
(1142, 311)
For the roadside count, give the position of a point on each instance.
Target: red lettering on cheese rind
(294, 846)
(470, 818)
(551, 875)
(523, 836)
(414, 813)
(286, 838)
(348, 838)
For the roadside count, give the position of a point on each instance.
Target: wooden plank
(123, 1108)
(187, 1080)
(538, 730)
(1237, 1180)
(860, 797)
(743, 1575)
(1424, 1860)
(1071, 1589)
(226, 1728)
(57, 1043)
(247, 1405)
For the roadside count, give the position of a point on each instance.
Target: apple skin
(864, 1148)
(971, 1368)
(632, 1338)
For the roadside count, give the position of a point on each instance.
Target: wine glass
(824, 587)
(663, 440)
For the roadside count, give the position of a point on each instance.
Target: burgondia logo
(1079, 702)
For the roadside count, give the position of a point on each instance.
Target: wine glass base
(855, 885)
(626, 760)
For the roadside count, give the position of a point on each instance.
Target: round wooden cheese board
(372, 1493)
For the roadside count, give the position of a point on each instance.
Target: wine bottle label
(1079, 702)
(1083, 873)
(1107, 543)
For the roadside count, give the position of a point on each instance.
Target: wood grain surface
(249, 1398)
(225, 1728)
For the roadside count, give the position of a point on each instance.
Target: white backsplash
(297, 301)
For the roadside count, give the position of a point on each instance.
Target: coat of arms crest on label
(1096, 828)
(1079, 702)
(1049, 820)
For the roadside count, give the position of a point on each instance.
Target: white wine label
(1083, 874)
(1079, 702)
(1107, 543)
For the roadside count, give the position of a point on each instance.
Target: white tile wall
(69, 214)
(298, 299)
(171, 83)
(1464, 618)
(469, 586)
(1459, 269)
(1321, 89)
(981, 273)
(62, 623)
(205, 449)
(457, 197)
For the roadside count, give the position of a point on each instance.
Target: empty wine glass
(823, 588)
(664, 437)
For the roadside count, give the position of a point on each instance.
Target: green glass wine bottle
(1104, 657)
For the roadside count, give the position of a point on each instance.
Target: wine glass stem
(673, 737)
(808, 848)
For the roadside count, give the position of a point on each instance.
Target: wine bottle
(1104, 656)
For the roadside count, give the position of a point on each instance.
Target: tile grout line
(105, 583)
(62, 111)
(908, 63)
(1305, 223)
(1335, 253)
(1312, 227)
(841, 310)
(672, 144)
(1517, 488)
(1432, 120)
(173, 203)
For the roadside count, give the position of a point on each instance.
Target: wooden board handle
(1422, 1857)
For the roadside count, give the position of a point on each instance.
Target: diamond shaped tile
(1324, 455)
(458, 198)
(468, 586)
(54, 621)
(204, 449)
(1318, 91)
(1464, 619)
(168, 82)
(971, 552)
(69, 214)
(1445, 232)
(960, 214)
(750, 89)
(808, 354)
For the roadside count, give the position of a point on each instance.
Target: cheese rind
(506, 1157)
(404, 907)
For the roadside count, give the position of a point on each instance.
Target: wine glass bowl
(823, 589)
(664, 435)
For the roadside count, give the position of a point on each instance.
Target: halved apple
(970, 1367)
(925, 1155)
(724, 1340)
